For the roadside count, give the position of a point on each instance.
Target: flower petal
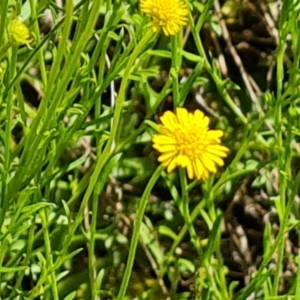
(208, 163)
(164, 148)
(163, 139)
(198, 115)
(190, 170)
(215, 159)
(215, 134)
(198, 166)
(169, 120)
(182, 116)
(166, 156)
(217, 150)
(182, 161)
(172, 165)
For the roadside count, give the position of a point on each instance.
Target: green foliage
(86, 212)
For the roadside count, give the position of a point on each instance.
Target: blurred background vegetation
(68, 204)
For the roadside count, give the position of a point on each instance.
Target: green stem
(27, 256)
(149, 36)
(97, 191)
(8, 128)
(91, 245)
(282, 159)
(136, 232)
(185, 212)
(216, 78)
(37, 41)
(175, 70)
(3, 251)
(102, 160)
(3, 8)
(49, 260)
(65, 252)
(33, 139)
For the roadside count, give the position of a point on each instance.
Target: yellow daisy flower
(168, 15)
(186, 141)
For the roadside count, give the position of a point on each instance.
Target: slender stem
(91, 246)
(217, 79)
(102, 160)
(185, 212)
(149, 36)
(175, 70)
(8, 128)
(27, 256)
(3, 249)
(33, 138)
(281, 155)
(136, 232)
(3, 14)
(49, 260)
(38, 40)
(97, 190)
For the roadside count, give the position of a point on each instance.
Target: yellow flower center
(164, 10)
(191, 142)
(168, 15)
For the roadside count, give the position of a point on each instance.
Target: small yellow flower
(168, 15)
(186, 141)
(19, 33)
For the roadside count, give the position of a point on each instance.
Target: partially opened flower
(185, 141)
(168, 15)
(19, 33)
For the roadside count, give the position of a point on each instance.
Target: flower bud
(18, 32)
